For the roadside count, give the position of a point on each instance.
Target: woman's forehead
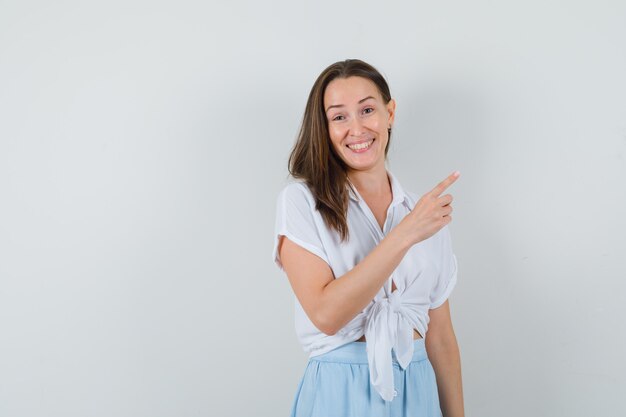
(345, 91)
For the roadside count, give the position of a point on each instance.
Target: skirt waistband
(356, 353)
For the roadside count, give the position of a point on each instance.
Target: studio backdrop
(143, 145)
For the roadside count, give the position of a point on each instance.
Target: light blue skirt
(336, 384)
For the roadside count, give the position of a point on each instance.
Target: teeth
(361, 145)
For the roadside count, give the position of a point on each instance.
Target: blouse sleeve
(448, 271)
(295, 219)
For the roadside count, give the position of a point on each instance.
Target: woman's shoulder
(296, 191)
(294, 187)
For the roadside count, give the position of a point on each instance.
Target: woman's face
(357, 114)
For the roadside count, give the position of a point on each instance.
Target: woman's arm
(332, 303)
(443, 353)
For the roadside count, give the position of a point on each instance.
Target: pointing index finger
(440, 188)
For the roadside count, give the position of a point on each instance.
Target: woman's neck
(373, 183)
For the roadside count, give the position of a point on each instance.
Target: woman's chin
(362, 165)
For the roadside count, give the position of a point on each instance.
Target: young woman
(371, 265)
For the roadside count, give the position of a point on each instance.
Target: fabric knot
(395, 301)
(388, 327)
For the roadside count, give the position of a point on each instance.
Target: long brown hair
(314, 159)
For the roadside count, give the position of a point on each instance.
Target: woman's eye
(338, 117)
(368, 108)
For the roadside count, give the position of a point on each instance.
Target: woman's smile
(361, 147)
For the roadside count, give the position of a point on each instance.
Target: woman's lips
(364, 149)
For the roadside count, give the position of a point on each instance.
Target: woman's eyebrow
(341, 105)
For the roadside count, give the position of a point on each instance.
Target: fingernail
(457, 173)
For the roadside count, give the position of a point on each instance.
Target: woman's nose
(356, 126)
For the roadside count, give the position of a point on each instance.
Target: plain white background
(143, 143)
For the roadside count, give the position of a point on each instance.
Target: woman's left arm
(443, 353)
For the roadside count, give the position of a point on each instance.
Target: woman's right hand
(430, 214)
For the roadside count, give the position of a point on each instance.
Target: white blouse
(424, 278)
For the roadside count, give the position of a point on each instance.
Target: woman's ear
(391, 108)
